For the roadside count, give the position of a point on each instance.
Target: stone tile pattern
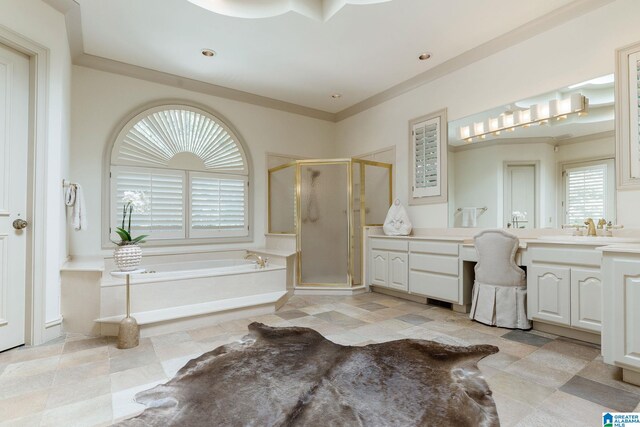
(536, 378)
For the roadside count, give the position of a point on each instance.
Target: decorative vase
(127, 257)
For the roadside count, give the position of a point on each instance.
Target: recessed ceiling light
(336, 96)
(424, 56)
(208, 52)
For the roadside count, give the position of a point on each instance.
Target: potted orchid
(128, 253)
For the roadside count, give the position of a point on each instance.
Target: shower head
(314, 173)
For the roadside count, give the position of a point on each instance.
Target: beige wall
(102, 100)
(573, 52)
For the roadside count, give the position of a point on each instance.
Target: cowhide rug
(296, 377)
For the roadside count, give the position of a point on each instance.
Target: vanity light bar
(555, 109)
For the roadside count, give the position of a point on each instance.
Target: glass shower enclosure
(325, 203)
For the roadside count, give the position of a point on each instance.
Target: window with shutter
(164, 192)
(191, 168)
(588, 192)
(218, 206)
(428, 159)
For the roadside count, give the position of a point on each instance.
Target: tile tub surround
(91, 382)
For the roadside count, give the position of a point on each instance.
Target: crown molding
(62, 6)
(535, 140)
(505, 141)
(129, 70)
(73, 19)
(585, 138)
(530, 29)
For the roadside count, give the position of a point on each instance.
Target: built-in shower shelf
(193, 310)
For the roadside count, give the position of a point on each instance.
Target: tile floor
(537, 379)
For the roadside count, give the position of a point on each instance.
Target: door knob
(19, 224)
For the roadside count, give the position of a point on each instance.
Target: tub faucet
(591, 227)
(262, 262)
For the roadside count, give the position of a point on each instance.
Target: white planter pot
(127, 257)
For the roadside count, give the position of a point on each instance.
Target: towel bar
(480, 209)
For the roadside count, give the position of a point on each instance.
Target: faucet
(591, 227)
(602, 223)
(610, 227)
(262, 262)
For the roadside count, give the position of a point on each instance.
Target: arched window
(192, 169)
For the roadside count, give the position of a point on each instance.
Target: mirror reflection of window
(589, 191)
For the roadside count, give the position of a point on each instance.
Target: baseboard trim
(318, 290)
(562, 331)
(52, 330)
(399, 294)
(53, 323)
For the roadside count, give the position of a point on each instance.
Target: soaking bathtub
(170, 297)
(194, 269)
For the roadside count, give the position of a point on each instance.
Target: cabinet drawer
(568, 255)
(434, 263)
(438, 248)
(389, 244)
(434, 286)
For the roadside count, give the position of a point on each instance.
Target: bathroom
(321, 161)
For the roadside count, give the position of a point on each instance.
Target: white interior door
(520, 196)
(14, 117)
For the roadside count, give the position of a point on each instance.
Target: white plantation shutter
(164, 193)
(218, 205)
(427, 158)
(192, 169)
(161, 133)
(586, 193)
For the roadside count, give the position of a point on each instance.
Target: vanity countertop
(523, 243)
(630, 248)
(460, 239)
(619, 245)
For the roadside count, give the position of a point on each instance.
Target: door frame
(35, 283)
(536, 195)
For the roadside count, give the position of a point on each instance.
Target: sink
(588, 239)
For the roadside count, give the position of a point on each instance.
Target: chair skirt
(502, 306)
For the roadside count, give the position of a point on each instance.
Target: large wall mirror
(541, 162)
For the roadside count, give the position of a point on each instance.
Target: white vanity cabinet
(417, 266)
(564, 286)
(433, 270)
(586, 299)
(389, 263)
(549, 294)
(621, 303)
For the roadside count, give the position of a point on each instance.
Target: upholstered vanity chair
(500, 287)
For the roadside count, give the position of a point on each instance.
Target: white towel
(469, 217)
(397, 222)
(75, 198)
